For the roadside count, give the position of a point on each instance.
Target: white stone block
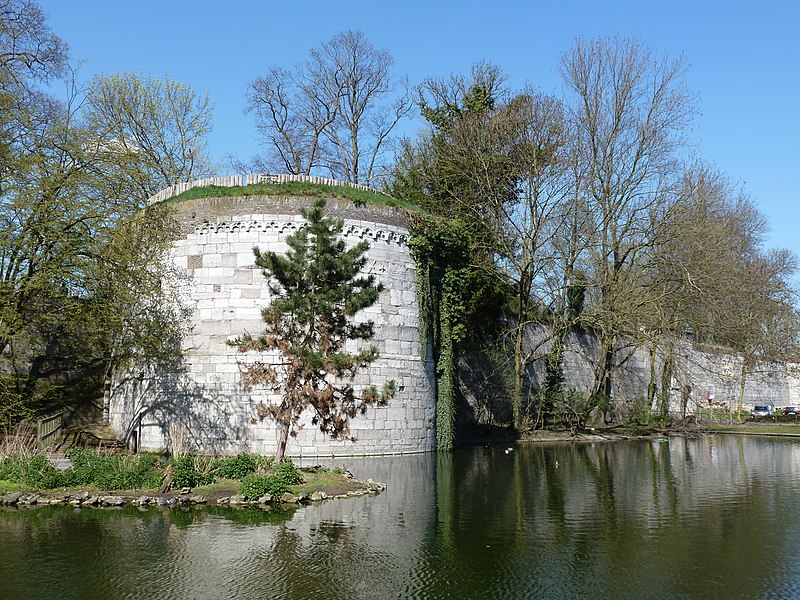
(212, 260)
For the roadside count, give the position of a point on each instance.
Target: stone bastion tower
(200, 404)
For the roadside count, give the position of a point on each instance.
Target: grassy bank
(250, 476)
(763, 427)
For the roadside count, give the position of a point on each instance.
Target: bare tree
(760, 304)
(699, 244)
(532, 224)
(28, 47)
(291, 113)
(630, 112)
(333, 113)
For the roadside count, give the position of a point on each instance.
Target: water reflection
(696, 518)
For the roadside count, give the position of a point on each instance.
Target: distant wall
(201, 404)
(706, 377)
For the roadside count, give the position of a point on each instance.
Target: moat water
(716, 517)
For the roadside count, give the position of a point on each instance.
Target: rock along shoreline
(186, 498)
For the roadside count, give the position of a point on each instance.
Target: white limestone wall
(201, 406)
(704, 377)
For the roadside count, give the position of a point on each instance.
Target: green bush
(184, 473)
(41, 474)
(7, 469)
(235, 467)
(117, 472)
(275, 483)
(287, 473)
(254, 486)
(85, 463)
(127, 472)
(145, 471)
(33, 471)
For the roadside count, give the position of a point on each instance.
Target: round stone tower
(201, 406)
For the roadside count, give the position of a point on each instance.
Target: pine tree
(317, 291)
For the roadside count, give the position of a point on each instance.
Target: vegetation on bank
(357, 196)
(251, 475)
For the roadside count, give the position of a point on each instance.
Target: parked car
(760, 411)
(791, 410)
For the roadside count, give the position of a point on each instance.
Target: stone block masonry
(201, 406)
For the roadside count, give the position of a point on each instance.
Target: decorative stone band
(281, 227)
(242, 180)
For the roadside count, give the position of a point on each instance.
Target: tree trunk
(283, 439)
(666, 383)
(742, 381)
(519, 377)
(651, 387)
(603, 385)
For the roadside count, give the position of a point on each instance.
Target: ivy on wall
(452, 294)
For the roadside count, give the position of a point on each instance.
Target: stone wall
(704, 376)
(201, 406)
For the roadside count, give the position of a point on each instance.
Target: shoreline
(226, 493)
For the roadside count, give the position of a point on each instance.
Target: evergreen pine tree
(317, 291)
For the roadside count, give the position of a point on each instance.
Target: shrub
(84, 465)
(184, 472)
(235, 467)
(32, 471)
(117, 472)
(275, 483)
(7, 468)
(254, 486)
(287, 473)
(126, 472)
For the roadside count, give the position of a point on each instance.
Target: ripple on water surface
(678, 519)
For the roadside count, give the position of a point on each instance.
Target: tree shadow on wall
(188, 416)
(484, 396)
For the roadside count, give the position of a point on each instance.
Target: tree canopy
(332, 114)
(81, 260)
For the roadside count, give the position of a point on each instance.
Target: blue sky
(743, 61)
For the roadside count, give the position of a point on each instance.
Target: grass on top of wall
(313, 190)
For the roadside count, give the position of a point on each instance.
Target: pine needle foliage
(309, 327)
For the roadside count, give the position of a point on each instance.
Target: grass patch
(753, 427)
(6, 487)
(332, 482)
(295, 188)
